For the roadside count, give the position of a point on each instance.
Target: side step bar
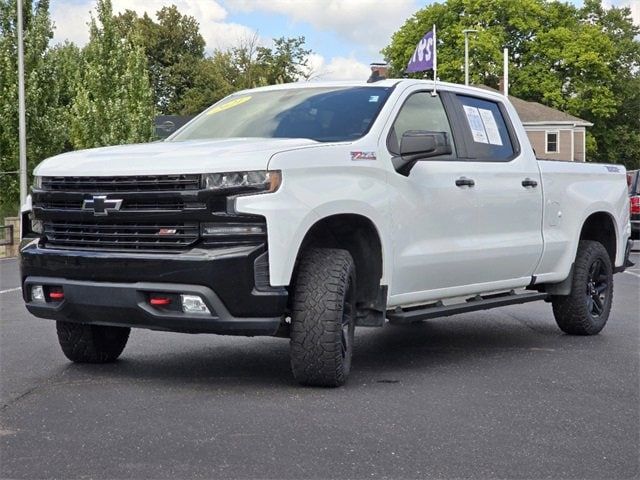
(479, 302)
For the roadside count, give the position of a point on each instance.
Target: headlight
(258, 181)
(37, 182)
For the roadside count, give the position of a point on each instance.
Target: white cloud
(634, 5)
(338, 68)
(368, 23)
(71, 20)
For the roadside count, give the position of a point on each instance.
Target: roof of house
(535, 113)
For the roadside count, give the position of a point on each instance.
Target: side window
(421, 111)
(490, 139)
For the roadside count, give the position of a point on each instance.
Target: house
(553, 134)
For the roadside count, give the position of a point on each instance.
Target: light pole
(466, 54)
(22, 136)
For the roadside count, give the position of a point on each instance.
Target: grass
(8, 210)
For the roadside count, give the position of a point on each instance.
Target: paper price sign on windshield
(230, 104)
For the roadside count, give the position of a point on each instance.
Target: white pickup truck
(305, 210)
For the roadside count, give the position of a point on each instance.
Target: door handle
(529, 183)
(465, 182)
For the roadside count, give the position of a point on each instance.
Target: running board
(479, 302)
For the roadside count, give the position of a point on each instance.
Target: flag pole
(22, 136)
(435, 61)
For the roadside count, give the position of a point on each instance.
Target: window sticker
(374, 98)
(230, 104)
(476, 124)
(490, 126)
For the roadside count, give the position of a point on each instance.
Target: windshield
(321, 114)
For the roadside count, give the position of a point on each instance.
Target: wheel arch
(600, 226)
(360, 236)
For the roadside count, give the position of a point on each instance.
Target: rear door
(507, 231)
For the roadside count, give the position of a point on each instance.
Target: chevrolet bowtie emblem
(101, 205)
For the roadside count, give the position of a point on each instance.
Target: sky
(345, 35)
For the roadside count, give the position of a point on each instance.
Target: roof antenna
(379, 71)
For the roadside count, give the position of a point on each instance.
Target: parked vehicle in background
(305, 210)
(633, 180)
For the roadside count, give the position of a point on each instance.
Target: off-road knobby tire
(83, 343)
(324, 285)
(571, 311)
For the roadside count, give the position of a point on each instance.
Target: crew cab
(304, 210)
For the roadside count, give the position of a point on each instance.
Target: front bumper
(112, 288)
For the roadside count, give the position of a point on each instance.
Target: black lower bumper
(114, 288)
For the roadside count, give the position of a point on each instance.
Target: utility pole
(505, 70)
(22, 124)
(466, 54)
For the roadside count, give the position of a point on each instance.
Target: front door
(461, 224)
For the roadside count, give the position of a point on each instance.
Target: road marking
(20, 288)
(626, 271)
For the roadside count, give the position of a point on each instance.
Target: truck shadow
(380, 354)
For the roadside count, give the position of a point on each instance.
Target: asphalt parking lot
(496, 394)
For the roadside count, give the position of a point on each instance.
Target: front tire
(586, 309)
(83, 343)
(323, 318)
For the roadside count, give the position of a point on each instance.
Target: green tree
(174, 49)
(47, 92)
(247, 65)
(213, 80)
(114, 101)
(285, 62)
(582, 61)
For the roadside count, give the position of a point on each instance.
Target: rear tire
(83, 343)
(323, 318)
(585, 310)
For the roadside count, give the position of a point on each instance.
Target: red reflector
(56, 295)
(159, 301)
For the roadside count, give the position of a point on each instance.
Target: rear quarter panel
(573, 192)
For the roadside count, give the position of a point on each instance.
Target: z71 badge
(363, 156)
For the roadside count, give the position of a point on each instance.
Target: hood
(164, 158)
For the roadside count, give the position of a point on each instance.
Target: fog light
(193, 304)
(37, 294)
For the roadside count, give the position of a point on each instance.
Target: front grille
(156, 213)
(129, 236)
(144, 183)
(156, 203)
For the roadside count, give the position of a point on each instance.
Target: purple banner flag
(423, 55)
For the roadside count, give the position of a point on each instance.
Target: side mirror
(418, 145)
